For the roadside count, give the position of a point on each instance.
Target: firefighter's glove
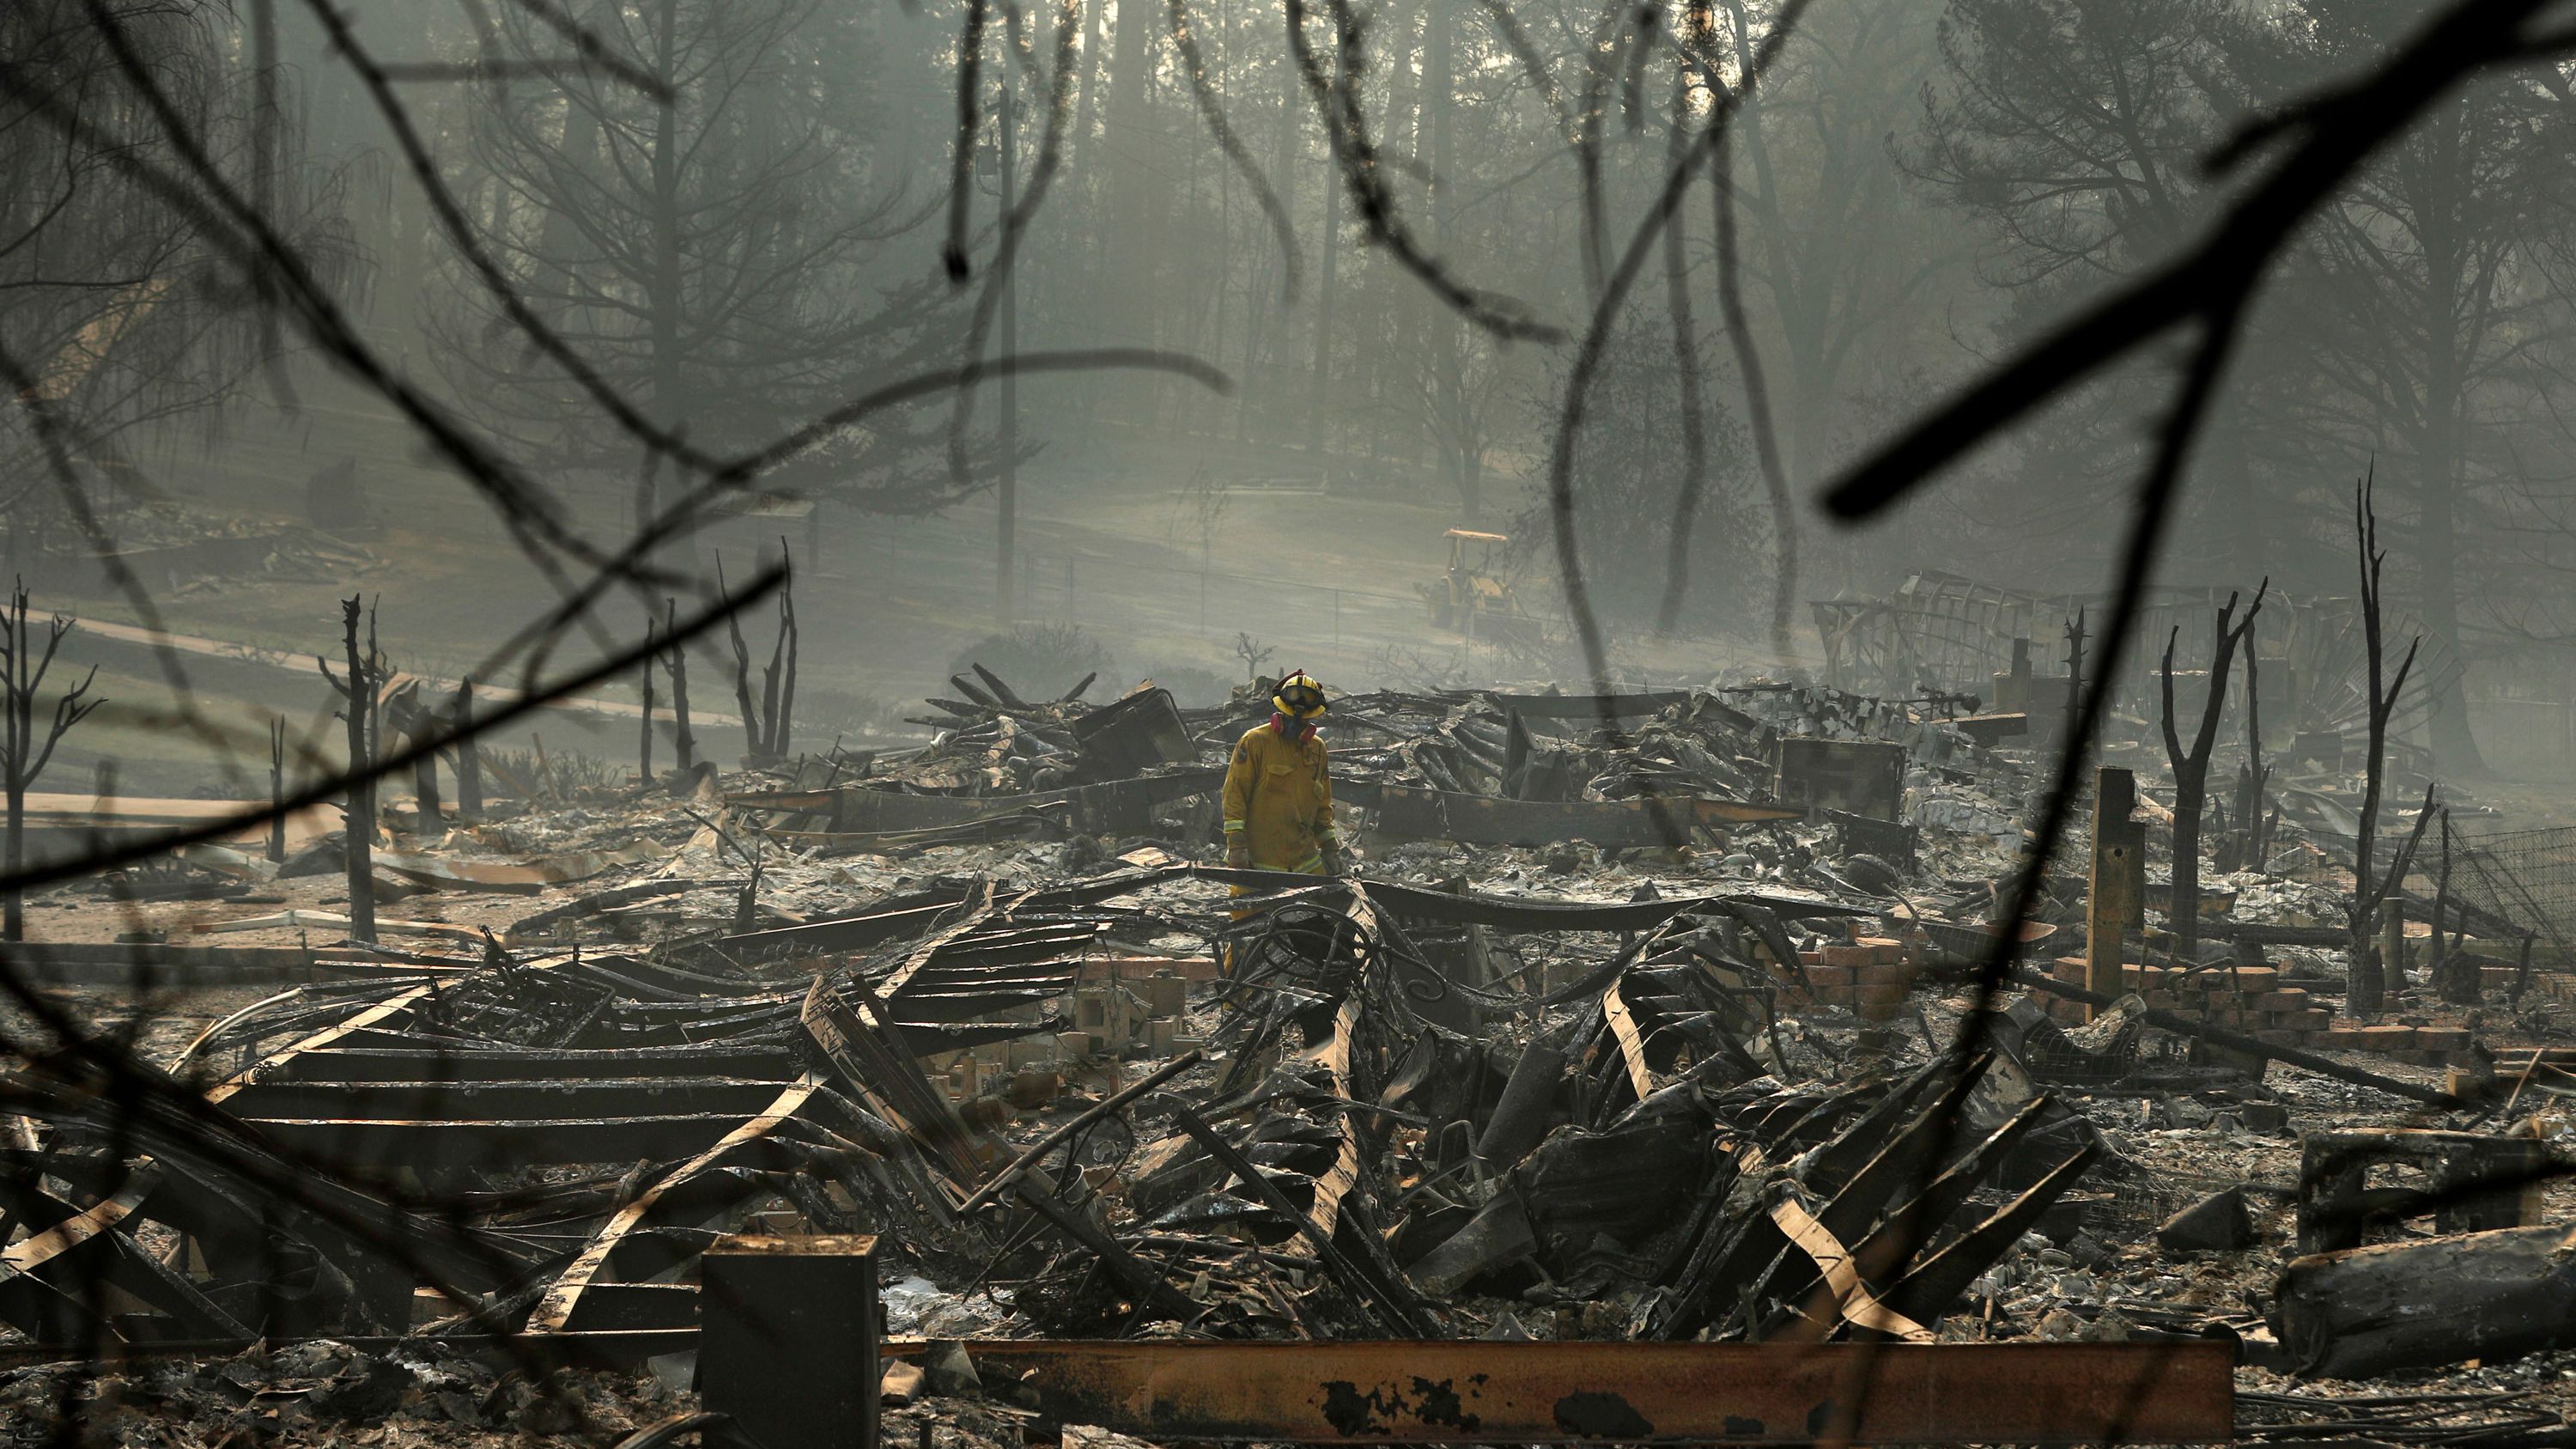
(1238, 851)
(1336, 863)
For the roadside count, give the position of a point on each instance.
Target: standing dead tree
(2191, 767)
(644, 733)
(357, 707)
(2369, 979)
(414, 719)
(469, 757)
(276, 789)
(2456, 975)
(766, 721)
(676, 659)
(2252, 843)
(23, 667)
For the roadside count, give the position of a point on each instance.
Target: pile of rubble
(1649, 1019)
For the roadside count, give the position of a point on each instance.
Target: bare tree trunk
(1136, 184)
(755, 743)
(424, 776)
(684, 744)
(644, 736)
(277, 789)
(781, 690)
(21, 727)
(2368, 986)
(13, 914)
(1331, 238)
(2191, 770)
(358, 840)
(469, 756)
(2252, 780)
(664, 294)
(22, 759)
(2456, 975)
(1460, 458)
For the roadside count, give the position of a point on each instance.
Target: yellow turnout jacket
(1279, 796)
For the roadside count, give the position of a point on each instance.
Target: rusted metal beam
(1479, 1391)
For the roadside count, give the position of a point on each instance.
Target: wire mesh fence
(2527, 877)
(2500, 883)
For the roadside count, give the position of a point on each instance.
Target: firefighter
(1279, 789)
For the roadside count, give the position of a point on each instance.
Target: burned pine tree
(23, 666)
(2191, 767)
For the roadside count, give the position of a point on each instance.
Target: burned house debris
(655, 794)
(1649, 1019)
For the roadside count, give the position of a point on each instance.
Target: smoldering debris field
(786, 723)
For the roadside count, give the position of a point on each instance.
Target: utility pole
(1006, 536)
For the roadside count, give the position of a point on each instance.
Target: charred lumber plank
(984, 703)
(1927, 1291)
(452, 1101)
(1903, 1232)
(626, 1307)
(369, 1147)
(554, 1310)
(393, 1009)
(1846, 1289)
(852, 1031)
(1009, 697)
(42, 1294)
(1479, 1391)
